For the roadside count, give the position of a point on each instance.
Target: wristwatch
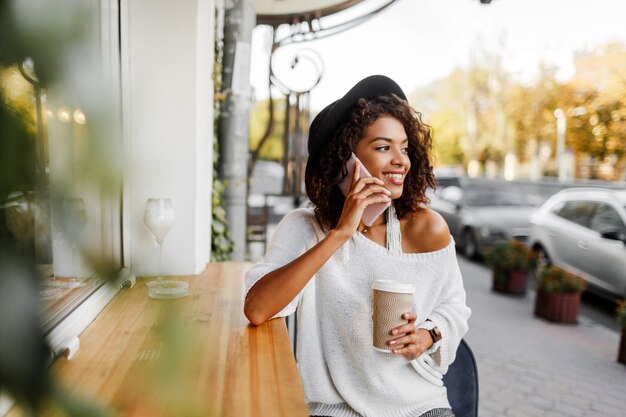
(433, 330)
(435, 334)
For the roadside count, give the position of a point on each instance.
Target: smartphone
(372, 211)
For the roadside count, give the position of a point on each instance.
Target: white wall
(167, 91)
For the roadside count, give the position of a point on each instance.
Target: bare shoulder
(426, 231)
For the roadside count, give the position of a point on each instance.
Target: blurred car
(447, 176)
(583, 230)
(478, 218)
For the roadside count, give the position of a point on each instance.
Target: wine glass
(159, 219)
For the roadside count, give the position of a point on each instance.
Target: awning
(276, 12)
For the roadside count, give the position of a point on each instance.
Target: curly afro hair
(321, 175)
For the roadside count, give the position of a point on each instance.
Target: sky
(418, 41)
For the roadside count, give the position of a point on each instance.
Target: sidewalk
(529, 367)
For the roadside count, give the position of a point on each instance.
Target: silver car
(583, 230)
(479, 218)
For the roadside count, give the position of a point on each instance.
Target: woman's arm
(451, 312)
(277, 288)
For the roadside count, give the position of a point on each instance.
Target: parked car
(447, 176)
(479, 218)
(583, 230)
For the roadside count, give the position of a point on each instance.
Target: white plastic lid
(393, 286)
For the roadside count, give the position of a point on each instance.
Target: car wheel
(470, 247)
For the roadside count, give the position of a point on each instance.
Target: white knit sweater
(343, 376)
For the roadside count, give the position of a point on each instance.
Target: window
(606, 218)
(578, 212)
(54, 212)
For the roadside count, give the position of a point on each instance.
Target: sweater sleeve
(450, 315)
(295, 234)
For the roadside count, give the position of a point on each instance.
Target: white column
(167, 90)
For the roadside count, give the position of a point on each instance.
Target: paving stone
(555, 387)
(532, 367)
(525, 410)
(607, 410)
(615, 399)
(483, 412)
(569, 410)
(486, 387)
(489, 406)
(516, 368)
(523, 387)
(576, 401)
(500, 380)
(538, 375)
(510, 396)
(542, 402)
(556, 414)
(497, 402)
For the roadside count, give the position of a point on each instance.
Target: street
(529, 367)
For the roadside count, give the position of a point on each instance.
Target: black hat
(332, 116)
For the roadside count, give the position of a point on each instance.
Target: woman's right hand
(363, 192)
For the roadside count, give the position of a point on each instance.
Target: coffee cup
(390, 300)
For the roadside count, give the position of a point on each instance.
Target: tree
(273, 148)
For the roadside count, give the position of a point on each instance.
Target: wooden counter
(197, 355)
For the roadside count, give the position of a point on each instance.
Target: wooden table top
(196, 355)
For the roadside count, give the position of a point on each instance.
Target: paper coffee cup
(390, 300)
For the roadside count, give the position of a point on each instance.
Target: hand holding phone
(372, 211)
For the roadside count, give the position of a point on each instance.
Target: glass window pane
(606, 218)
(578, 212)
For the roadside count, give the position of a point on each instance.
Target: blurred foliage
(23, 352)
(221, 243)
(483, 112)
(553, 279)
(24, 355)
(17, 155)
(511, 256)
(273, 148)
(447, 141)
(37, 29)
(44, 32)
(166, 386)
(54, 34)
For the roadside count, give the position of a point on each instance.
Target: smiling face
(384, 152)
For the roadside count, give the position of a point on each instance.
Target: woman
(323, 262)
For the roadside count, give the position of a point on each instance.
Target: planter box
(510, 282)
(621, 354)
(562, 308)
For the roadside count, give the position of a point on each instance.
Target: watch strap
(435, 335)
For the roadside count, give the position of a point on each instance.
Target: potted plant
(621, 318)
(558, 295)
(511, 262)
